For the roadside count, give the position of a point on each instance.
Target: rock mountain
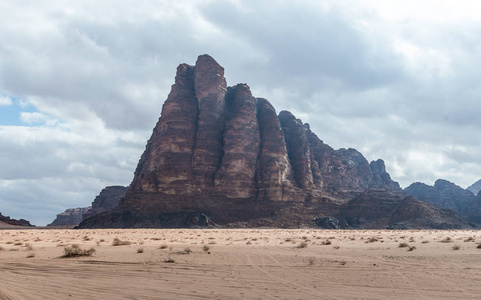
(448, 195)
(219, 156)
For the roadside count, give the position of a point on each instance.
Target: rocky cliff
(448, 195)
(385, 209)
(70, 217)
(220, 149)
(108, 199)
(14, 222)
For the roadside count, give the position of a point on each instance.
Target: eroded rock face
(108, 199)
(8, 220)
(385, 209)
(70, 217)
(221, 149)
(448, 195)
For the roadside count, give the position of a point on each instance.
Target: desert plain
(240, 264)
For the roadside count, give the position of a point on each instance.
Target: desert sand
(241, 264)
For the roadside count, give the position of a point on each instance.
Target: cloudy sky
(82, 84)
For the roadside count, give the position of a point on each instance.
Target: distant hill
(475, 187)
(448, 195)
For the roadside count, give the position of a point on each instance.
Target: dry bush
(117, 242)
(411, 248)
(456, 247)
(163, 246)
(336, 247)
(302, 245)
(469, 239)
(29, 246)
(446, 240)
(372, 240)
(479, 246)
(30, 255)
(403, 245)
(76, 251)
(205, 248)
(326, 242)
(185, 251)
(140, 250)
(425, 242)
(1, 248)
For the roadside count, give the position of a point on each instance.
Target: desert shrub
(326, 242)
(205, 248)
(29, 246)
(411, 248)
(469, 239)
(456, 247)
(117, 242)
(140, 250)
(446, 240)
(169, 260)
(403, 245)
(372, 240)
(479, 246)
(30, 255)
(425, 242)
(302, 245)
(186, 251)
(76, 251)
(1, 248)
(163, 246)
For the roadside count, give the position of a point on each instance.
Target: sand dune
(240, 264)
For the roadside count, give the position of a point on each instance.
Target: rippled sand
(240, 264)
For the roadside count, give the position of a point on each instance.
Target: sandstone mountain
(108, 199)
(14, 222)
(475, 187)
(448, 195)
(219, 156)
(382, 209)
(70, 217)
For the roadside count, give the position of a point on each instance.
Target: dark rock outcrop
(70, 217)
(224, 153)
(108, 199)
(384, 209)
(14, 222)
(448, 195)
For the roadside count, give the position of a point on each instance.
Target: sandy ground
(241, 264)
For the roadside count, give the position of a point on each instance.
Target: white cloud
(5, 101)
(396, 81)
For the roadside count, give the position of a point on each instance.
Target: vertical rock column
(167, 160)
(298, 149)
(210, 88)
(236, 176)
(274, 169)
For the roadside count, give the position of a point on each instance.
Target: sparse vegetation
(302, 245)
(411, 248)
(479, 246)
(456, 247)
(446, 240)
(469, 239)
(1, 248)
(163, 246)
(326, 242)
(403, 245)
(117, 242)
(75, 251)
(140, 250)
(205, 248)
(30, 255)
(372, 240)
